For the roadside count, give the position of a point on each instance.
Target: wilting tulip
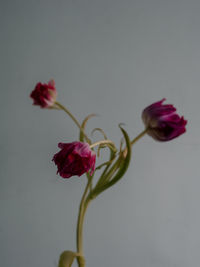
(44, 95)
(74, 158)
(162, 122)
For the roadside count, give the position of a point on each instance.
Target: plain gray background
(114, 58)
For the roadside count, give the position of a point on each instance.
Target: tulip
(162, 122)
(74, 158)
(44, 95)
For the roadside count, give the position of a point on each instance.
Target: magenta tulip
(44, 95)
(74, 158)
(162, 122)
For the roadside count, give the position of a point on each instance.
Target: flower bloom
(44, 95)
(162, 122)
(74, 158)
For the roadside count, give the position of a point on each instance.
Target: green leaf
(81, 136)
(107, 164)
(110, 146)
(122, 164)
(67, 258)
(99, 130)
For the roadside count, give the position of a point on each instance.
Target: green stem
(73, 118)
(139, 136)
(86, 198)
(79, 231)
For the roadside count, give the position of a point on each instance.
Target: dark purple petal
(162, 121)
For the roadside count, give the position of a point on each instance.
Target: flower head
(44, 95)
(162, 122)
(74, 158)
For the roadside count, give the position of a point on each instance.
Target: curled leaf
(121, 144)
(121, 164)
(81, 136)
(99, 130)
(107, 164)
(104, 164)
(109, 145)
(67, 258)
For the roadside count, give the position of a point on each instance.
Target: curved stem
(79, 231)
(86, 199)
(73, 118)
(139, 136)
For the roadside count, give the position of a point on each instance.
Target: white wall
(113, 58)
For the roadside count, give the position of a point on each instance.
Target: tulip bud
(44, 95)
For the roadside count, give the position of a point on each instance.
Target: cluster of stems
(113, 170)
